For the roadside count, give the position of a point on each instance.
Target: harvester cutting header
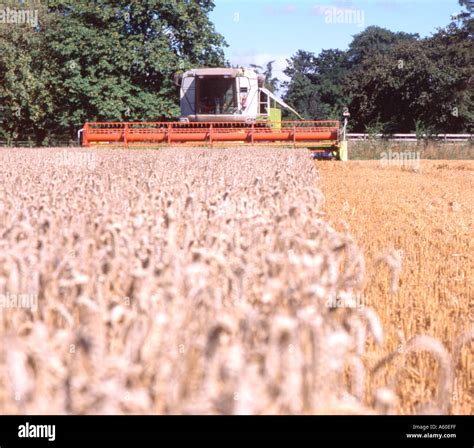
(224, 106)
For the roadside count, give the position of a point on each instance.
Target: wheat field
(418, 218)
(215, 281)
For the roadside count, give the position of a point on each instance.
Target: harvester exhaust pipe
(79, 136)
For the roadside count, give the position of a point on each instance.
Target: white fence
(30, 144)
(413, 138)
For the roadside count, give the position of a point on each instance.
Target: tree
(301, 91)
(271, 82)
(115, 59)
(375, 40)
(402, 83)
(393, 82)
(316, 83)
(380, 93)
(452, 50)
(375, 81)
(26, 104)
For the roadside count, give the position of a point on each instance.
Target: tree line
(391, 81)
(115, 60)
(106, 60)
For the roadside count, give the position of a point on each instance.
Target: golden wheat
(185, 281)
(415, 230)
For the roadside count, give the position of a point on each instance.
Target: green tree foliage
(302, 90)
(116, 60)
(408, 82)
(394, 82)
(380, 95)
(374, 40)
(452, 50)
(271, 82)
(25, 100)
(104, 60)
(316, 86)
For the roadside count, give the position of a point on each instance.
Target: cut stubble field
(416, 221)
(239, 281)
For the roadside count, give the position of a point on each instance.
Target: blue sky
(258, 31)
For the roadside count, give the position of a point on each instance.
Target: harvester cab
(218, 95)
(224, 106)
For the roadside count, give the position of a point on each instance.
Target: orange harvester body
(304, 133)
(223, 106)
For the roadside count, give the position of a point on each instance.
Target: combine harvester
(225, 106)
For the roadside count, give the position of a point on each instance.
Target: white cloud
(274, 9)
